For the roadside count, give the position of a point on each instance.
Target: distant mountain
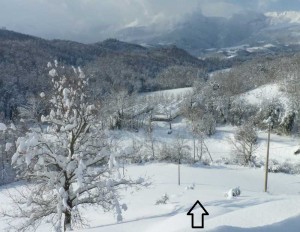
(21, 55)
(197, 33)
(285, 17)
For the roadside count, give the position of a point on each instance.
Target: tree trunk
(68, 215)
(67, 221)
(152, 148)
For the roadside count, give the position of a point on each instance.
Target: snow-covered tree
(35, 107)
(68, 161)
(169, 107)
(7, 136)
(244, 144)
(178, 152)
(208, 124)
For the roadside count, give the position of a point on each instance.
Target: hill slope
(23, 61)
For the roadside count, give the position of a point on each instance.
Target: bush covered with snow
(163, 200)
(234, 192)
(190, 187)
(175, 152)
(283, 118)
(285, 167)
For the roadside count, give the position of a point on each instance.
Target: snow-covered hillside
(254, 209)
(270, 92)
(285, 17)
(208, 181)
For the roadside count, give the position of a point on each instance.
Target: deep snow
(254, 210)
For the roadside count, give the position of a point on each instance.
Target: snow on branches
(68, 159)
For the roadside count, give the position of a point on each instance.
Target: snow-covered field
(170, 92)
(282, 148)
(253, 210)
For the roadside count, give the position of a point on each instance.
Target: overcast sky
(92, 20)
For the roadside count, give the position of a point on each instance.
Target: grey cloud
(94, 20)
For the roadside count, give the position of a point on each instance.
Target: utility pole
(201, 148)
(123, 165)
(179, 171)
(267, 158)
(194, 149)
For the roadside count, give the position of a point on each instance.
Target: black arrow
(190, 213)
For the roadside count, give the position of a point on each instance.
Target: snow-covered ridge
(290, 17)
(267, 92)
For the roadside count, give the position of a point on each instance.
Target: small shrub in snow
(234, 192)
(206, 162)
(190, 187)
(297, 152)
(163, 200)
(285, 167)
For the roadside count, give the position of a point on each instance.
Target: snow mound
(250, 218)
(2, 127)
(291, 225)
(234, 192)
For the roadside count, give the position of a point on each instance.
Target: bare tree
(244, 144)
(208, 124)
(34, 109)
(151, 138)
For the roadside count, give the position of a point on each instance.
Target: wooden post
(267, 160)
(179, 171)
(152, 147)
(201, 148)
(123, 165)
(194, 149)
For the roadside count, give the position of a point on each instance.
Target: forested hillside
(23, 61)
